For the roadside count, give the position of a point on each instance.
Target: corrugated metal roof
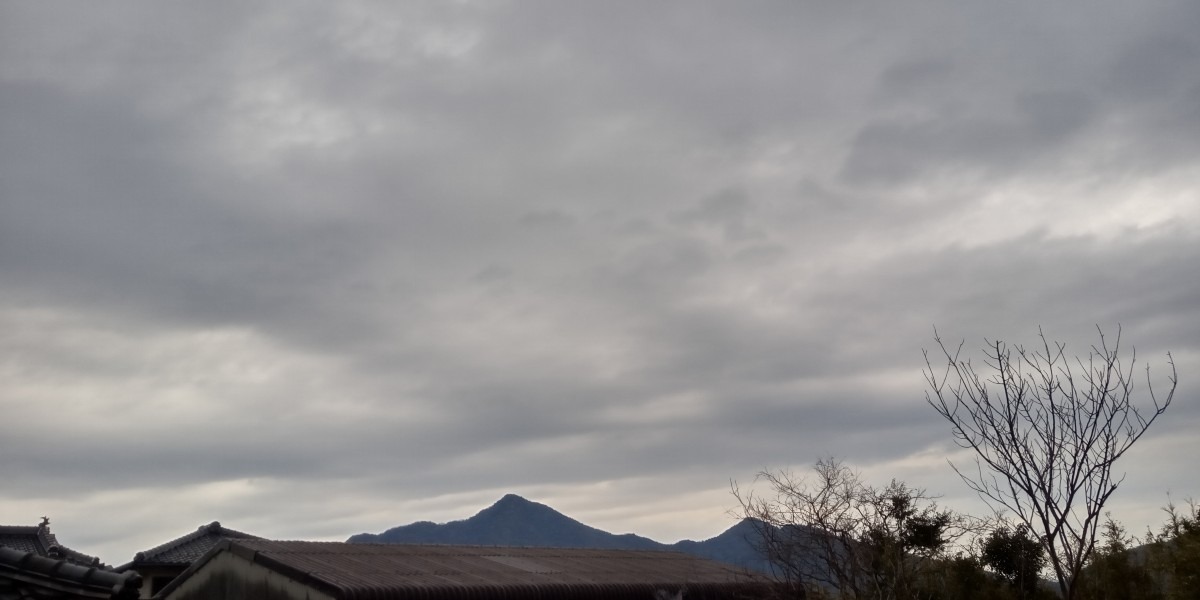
(389, 571)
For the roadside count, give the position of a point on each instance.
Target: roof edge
(145, 556)
(251, 555)
(40, 570)
(50, 547)
(192, 568)
(453, 591)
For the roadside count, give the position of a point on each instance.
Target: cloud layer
(322, 268)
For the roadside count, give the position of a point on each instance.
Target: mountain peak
(513, 499)
(516, 521)
(512, 506)
(511, 521)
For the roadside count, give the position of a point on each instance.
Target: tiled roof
(28, 575)
(182, 551)
(387, 571)
(38, 540)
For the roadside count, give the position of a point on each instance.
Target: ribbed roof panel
(385, 571)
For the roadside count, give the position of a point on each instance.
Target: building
(27, 575)
(238, 569)
(162, 563)
(38, 540)
(34, 565)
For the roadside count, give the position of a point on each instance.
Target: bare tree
(835, 534)
(1046, 431)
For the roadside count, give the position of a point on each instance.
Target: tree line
(1045, 430)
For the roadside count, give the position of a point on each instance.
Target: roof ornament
(45, 521)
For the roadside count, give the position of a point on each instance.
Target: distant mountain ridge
(515, 521)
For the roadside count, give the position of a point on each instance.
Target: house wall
(154, 578)
(231, 577)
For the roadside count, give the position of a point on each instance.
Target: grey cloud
(729, 211)
(1054, 116)
(892, 152)
(546, 218)
(458, 248)
(914, 77)
(1156, 68)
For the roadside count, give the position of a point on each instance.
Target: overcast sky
(313, 269)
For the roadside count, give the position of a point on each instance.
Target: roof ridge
(46, 538)
(28, 529)
(47, 544)
(214, 528)
(179, 541)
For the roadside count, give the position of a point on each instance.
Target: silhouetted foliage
(963, 577)
(1175, 554)
(1116, 572)
(1016, 556)
(1161, 566)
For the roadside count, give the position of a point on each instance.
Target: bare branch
(834, 532)
(1046, 432)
